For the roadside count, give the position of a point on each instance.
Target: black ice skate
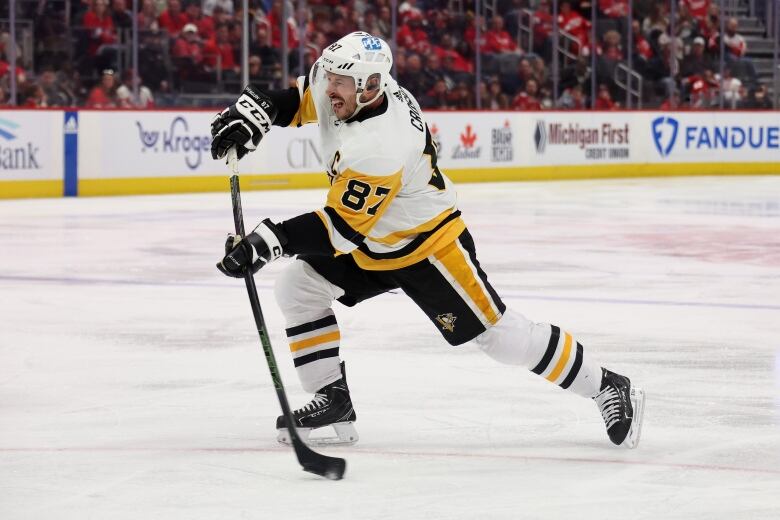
(331, 406)
(622, 406)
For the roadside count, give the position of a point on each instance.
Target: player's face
(341, 91)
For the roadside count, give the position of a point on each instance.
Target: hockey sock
(544, 349)
(315, 349)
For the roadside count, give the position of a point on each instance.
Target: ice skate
(621, 406)
(331, 407)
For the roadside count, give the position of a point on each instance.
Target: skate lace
(609, 404)
(318, 401)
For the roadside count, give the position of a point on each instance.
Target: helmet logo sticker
(371, 43)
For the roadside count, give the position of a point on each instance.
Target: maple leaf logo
(468, 138)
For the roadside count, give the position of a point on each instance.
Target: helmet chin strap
(361, 104)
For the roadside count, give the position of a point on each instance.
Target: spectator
(527, 100)
(100, 25)
(218, 53)
(437, 97)
(262, 46)
(730, 86)
(613, 8)
(656, 22)
(125, 97)
(462, 98)
(225, 6)
(274, 18)
(103, 95)
(757, 99)
(121, 15)
(204, 24)
(412, 36)
(698, 8)
(696, 62)
(497, 40)
(573, 98)
(173, 19)
(449, 55)
(188, 54)
(736, 48)
(412, 79)
(385, 23)
(543, 29)
(573, 23)
(147, 18)
(497, 99)
(32, 96)
(672, 102)
(604, 99)
(56, 91)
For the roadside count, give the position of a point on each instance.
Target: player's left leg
(455, 293)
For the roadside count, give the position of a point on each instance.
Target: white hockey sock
(305, 299)
(544, 349)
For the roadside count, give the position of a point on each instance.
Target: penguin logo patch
(447, 321)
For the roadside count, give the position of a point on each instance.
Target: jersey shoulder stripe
(307, 111)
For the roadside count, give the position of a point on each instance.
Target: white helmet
(360, 56)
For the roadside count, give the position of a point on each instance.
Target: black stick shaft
(330, 467)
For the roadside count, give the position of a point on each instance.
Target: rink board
(54, 153)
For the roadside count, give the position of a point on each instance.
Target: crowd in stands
(82, 57)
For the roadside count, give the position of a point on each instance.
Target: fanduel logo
(176, 140)
(665, 131)
(665, 134)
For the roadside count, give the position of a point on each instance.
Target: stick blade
(332, 468)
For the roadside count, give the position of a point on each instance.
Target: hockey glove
(263, 245)
(242, 125)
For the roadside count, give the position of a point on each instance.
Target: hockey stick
(313, 462)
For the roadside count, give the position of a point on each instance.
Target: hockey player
(390, 221)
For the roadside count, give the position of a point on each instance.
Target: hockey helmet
(362, 57)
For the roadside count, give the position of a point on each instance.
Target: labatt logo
(467, 149)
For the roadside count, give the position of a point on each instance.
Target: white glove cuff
(271, 240)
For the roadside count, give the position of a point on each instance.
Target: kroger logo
(6, 127)
(666, 129)
(177, 139)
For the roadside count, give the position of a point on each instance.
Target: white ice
(133, 384)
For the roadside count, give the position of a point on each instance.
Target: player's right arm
(244, 124)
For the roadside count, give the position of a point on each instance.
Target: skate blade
(638, 404)
(345, 435)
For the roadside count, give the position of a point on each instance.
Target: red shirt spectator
(20, 75)
(204, 24)
(101, 26)
(220, 46)
(188, 45)
(526, 100)
(274, 18)
(614, 8)
(173, 19)
(604, 99)
(698, 8)
(103, 95)
(497, 39)
(573, 23)
(412, 36)
(543, 23)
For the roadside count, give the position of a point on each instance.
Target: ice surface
(133, 385)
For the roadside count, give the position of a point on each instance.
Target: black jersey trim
(343, 228)
(411, 246)
(287, 102)
(548, 355)
(306, 234)
(575, 368)
(321, 323)
(367, 113)
(315, 356)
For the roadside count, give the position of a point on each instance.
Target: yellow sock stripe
(561, 362)
(316, 340)
(453, 260)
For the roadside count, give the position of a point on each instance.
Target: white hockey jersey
(389, 205)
